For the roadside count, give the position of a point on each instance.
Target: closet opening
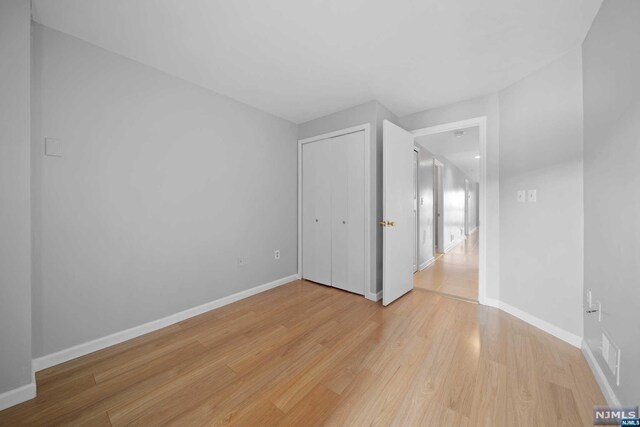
(334, 218)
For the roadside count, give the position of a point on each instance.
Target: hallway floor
(454, 273)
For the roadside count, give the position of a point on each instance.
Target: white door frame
(481, 122)
(417, 218)
(368, 227)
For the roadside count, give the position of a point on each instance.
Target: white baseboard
(426, 264)
(374, 297)
(554, 330)
(98, 344)
(17, 395)
(473, 230)
(600, 377)
(454, 244)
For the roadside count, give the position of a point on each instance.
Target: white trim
(374, 297)
(453, 245)
(426, 264)
(370, 226)
(545, 326)
(599, 375)
(481, 122)
(473, 231)
(17, 395)
(118, 337)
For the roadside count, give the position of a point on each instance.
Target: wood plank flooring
(454, 273)
(304, 355)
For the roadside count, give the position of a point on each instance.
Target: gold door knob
(391, 223)
(383, 223)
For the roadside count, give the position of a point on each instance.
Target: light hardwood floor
(454, 273)
(304, 354)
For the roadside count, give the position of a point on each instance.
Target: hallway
(454, 273)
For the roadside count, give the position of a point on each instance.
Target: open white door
(397, 211)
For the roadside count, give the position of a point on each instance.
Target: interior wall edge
(79, 350)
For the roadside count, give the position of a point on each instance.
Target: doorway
(455, 267)
(398, 222)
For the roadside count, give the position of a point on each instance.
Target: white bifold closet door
(333, 212)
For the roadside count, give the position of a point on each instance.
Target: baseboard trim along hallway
(100, 343)
(547, 327)
(17, 395)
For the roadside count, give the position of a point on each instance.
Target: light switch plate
(521, 196)
(531, 196)
(53, 147)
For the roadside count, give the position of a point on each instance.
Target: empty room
(305, 213)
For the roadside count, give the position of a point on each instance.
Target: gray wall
(611, 60)
(474, 200)
(425, 211)
(15, 246)
(476, 107)
(453, 203)
(162, 186)
(373, 113)
(541, 244)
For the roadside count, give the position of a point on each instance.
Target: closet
(333, 212)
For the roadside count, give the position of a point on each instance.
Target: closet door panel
(340, 214)
(348, 249)
(316, 212)
(356, 210)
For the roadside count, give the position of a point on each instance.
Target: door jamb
(370, 228)
(416, 150)
(481, 122)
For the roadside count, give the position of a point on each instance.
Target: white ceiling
(301, 59)
(461, 151)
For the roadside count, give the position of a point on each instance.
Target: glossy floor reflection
(454, 273)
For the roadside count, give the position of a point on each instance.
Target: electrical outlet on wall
(276, 254)
(242, 261)
(521, 196)
(531, 196)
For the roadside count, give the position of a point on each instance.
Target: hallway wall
(611, 58)
(474, 205)
(425, 213)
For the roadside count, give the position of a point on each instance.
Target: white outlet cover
(531, 196)
(521, 196)
(53, 147)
